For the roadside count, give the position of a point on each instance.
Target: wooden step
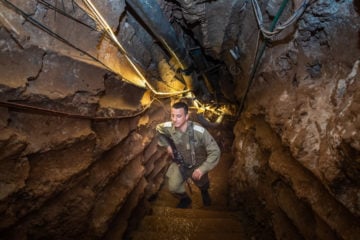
(189, 225)
(188, 236)
(195, 223)
(190, 213)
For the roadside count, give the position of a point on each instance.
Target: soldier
(194, 151)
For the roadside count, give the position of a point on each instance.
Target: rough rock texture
(76, 142)
(78, 157)
(297, 142)
(65, 178)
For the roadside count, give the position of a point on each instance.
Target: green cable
(278, 14)
(261, 52)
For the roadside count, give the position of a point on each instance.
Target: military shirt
(207, 151)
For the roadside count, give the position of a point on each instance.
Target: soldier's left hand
(197, 174)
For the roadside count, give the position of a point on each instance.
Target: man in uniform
(194, 150)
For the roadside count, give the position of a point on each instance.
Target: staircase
(167, 223)
(197, 222)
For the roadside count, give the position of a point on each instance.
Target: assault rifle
(178, 158)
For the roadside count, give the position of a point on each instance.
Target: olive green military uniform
(207, 154)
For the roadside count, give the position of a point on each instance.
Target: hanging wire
(56, 9)
(51, 33)
(39, 25)
(260, 49)
(40, 110)
(105, 26)
(268, 34)
(100, 20)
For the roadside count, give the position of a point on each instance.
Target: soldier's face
(179, 118)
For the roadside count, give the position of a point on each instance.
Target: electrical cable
(259, 55)
(44, 28)
(268, 34)
(50, 6)
(58, 37)
(69, 115)
(51, 33)
(260, 51)
(102, 22)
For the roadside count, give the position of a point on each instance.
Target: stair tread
(184, 224)
(191, 213)
(151, 235)
(197, 222)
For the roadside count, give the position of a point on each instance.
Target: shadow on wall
(357, 7)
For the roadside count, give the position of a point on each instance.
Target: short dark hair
(183, 105)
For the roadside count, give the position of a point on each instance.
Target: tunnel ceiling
(290, 68)
(113, 58)
(103, 59)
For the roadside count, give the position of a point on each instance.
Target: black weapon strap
(170, 141)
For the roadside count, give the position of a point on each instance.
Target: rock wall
(77, 154)
(78, 158)
(297, 144)
(66, 178)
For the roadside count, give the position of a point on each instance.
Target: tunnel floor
(197, 222)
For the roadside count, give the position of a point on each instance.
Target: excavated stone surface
(196, 222)
(73, 180)
(78, 155)
(296, 144)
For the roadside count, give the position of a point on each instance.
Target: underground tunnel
(84, 84)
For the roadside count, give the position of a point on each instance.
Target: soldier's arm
(213, 153)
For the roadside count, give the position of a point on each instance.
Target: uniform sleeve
(213, 153)
(163, 129)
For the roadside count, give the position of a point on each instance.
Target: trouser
(176, 181)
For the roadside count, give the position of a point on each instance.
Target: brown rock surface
(78, 155)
